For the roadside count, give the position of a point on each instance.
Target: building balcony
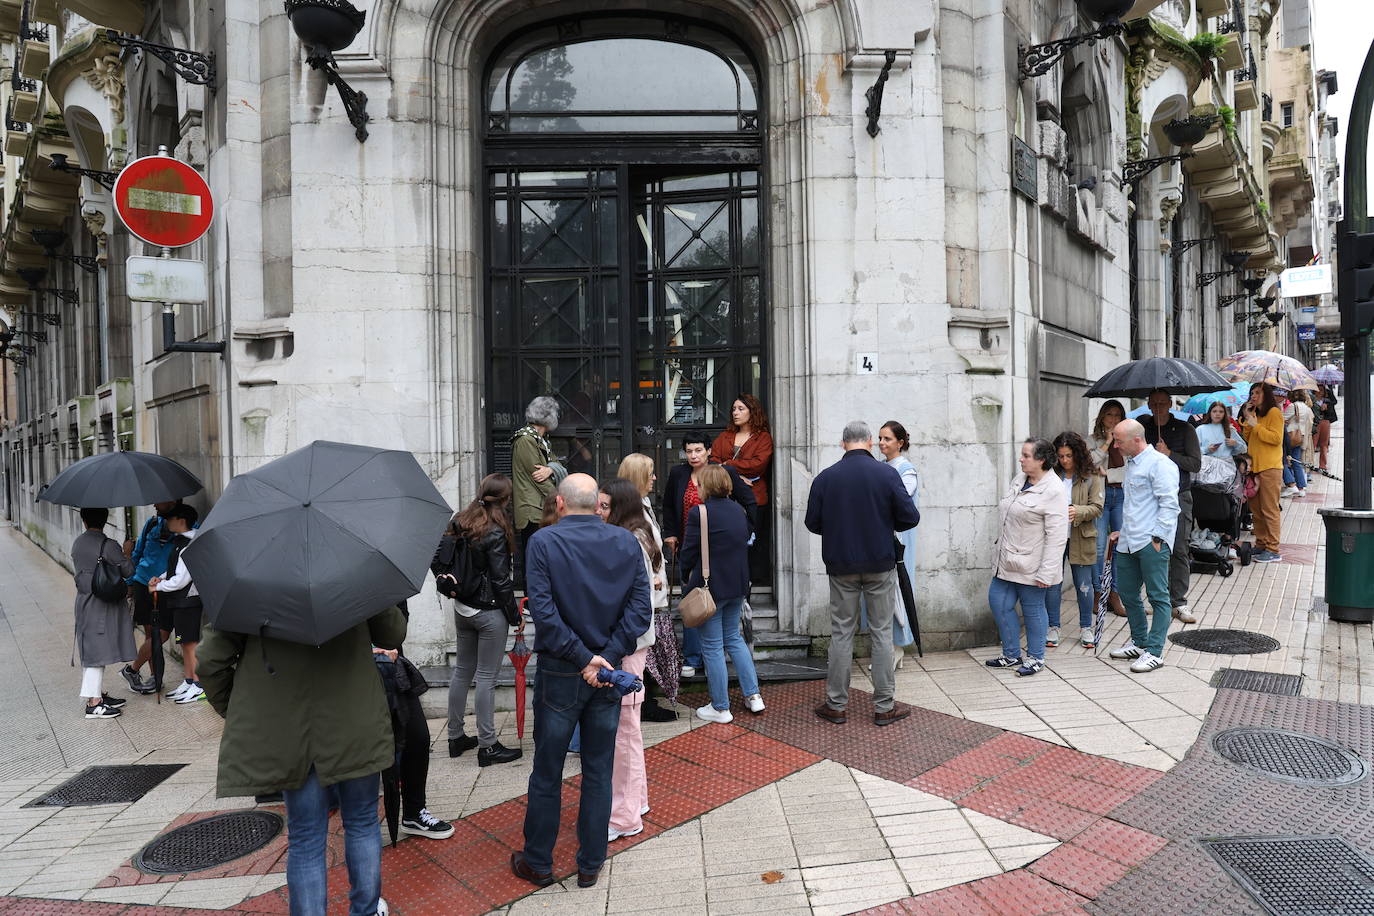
(24, 105)
(124, 15)
(1208, 8)
(1232, 56)
(10, 12)
(34, 57)
(16, 142)
(1221, 175)
(49, 11)
(1246, 95)
(1269, 138)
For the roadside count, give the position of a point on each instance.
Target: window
(620, 74)
(1286, 113)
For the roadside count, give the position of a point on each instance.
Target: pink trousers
(629, 782)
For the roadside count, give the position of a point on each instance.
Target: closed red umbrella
(519, 655)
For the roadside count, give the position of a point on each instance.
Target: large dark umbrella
(120, 479)
(1138, 378)
(309, 545)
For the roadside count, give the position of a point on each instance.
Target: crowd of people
(596, 563)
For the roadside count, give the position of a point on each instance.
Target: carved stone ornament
(106, 76)
(1168, 206)
(94, 218)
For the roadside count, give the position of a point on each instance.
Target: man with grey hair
(589, 600)
(856, 505)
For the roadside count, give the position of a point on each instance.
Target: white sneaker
(612, 834)
(1146, 662)
(755, 703)
(193, 693)
(688, 671)
(382, 908)
(643, 811)
(1300, 494)
(1052, 637)
(1287, 492)
(1129, 650)
(709, 713)
(177, 691)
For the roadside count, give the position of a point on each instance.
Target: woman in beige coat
(1085, 487)
(1030, 557)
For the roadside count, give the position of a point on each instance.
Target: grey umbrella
(1138, 378)
(120, 479)
(309, 545)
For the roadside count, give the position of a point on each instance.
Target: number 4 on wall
(865, 363)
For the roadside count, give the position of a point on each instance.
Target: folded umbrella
(1274, 369)
(1138, 378)
(120, 479)
(624, 682)
(316, 542)
(519, 655)
(1103, 598)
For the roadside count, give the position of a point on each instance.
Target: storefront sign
(1305, 281)
(1307, 332)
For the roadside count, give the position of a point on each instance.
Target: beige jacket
(1034, 532)
(1089, 496)
(1300, 417)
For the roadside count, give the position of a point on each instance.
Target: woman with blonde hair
(663, 670)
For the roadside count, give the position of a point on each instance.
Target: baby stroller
(1216, 518)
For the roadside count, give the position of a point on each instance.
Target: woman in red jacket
(747, 446)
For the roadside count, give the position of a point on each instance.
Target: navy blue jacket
(674, 525)
(855, 506)
(729, 531)
(588, 592)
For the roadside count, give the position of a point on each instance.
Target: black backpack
(456, 558)
(106, 582)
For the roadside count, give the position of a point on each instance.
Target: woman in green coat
(309, 721)
(534, 472)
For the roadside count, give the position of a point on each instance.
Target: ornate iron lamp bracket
(52, 319)
(1204, 280)
(1133, 171)
(1033, 60)
(192, 66)
(40, 336)
(1185, 245)
(69, 296)
(1224, 301)
(874, 94)
(84, 261)
(354, 102)
(99, 176)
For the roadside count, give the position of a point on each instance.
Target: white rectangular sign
(166, 280)
(1306, 281)
(865, 363)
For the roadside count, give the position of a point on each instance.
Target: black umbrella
(120, 479)
(309, 545)
(1138, 378)
(908, 598)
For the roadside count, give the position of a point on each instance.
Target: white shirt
(182, 577)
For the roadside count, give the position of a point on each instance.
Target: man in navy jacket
(856, 505)
(589, 601)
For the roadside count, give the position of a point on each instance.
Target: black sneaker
(113, 702)
(427, 825)
(131, 676)
(497, 753)
(101, 711)
(456, 746)
(652, 712)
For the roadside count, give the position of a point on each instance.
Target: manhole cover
(209, 842)
(1284, 685)
(1225, 642)
(1298, 876)
(107, 785)
(1289, 756)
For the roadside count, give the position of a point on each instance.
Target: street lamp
(1033, 60)
(326, 26)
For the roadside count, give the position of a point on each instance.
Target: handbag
(106, 582)
(697, 606)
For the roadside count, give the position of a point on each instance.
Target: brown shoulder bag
(697, 606)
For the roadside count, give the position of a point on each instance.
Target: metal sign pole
(1357, 358)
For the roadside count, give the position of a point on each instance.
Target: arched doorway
(625, 268)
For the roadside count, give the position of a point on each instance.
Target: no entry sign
(163, 201)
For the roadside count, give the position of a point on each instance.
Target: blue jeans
(1084, 580)
(691, 647)
(1149, 568)
(1109, 521)
(720, 635)
(1002, 597)
(1293, 470)
(562, 702)
(307, 821)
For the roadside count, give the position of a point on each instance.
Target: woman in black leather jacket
(480, 541)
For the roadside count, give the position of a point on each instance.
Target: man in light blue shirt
(1143, 545)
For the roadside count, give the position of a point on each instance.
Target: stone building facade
(644, 208)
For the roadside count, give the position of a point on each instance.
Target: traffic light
(1356, 287)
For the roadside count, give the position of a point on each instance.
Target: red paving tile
(945, 782)
(1024, 894)
(1120, 842)
(1054, 819)
(1078, 869)
(961, 900)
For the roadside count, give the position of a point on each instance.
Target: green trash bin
(1349, 564)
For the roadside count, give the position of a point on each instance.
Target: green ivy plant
(1228, 119)
(1208, 45)
(1264, 207)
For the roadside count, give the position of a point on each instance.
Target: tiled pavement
(1059, 793)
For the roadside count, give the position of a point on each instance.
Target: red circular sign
(163, 201)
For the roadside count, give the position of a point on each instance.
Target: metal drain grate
(1225, 642)
(107, 785)
(1284, 685)
(1290, 756)
(206, 843)
(1298, 875)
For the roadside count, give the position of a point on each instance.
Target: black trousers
(414, 760)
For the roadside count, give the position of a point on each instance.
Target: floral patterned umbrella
(1274, 369)
(1329, 375)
